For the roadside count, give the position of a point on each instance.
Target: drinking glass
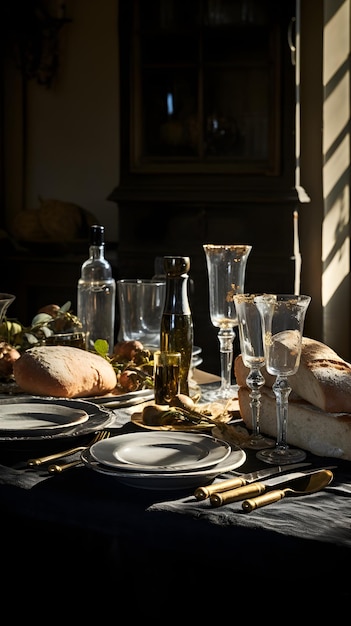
(252, 352)
(226, 265)
(282, 326)
(141, 303)
(5, 300)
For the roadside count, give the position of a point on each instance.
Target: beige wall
(325, 169)
(72, 146)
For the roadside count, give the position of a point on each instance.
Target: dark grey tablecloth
(156, 543)
(324, 516)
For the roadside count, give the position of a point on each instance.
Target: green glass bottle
(177, 323)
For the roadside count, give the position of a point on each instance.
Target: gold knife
(201, 493)
(316, 482)
(256, 489)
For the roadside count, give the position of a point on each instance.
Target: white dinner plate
(168, 481)
(36, 416)
(57, 418)
(160, 452)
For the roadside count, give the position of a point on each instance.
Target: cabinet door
(205, 85)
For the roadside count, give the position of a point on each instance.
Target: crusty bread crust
(323, 378)
(309, 428)
(64, 372)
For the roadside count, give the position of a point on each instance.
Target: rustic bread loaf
(309, 428)
(323, 378)
(64, 372)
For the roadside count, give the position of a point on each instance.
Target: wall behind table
(62, 142)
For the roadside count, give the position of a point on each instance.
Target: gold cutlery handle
(52, 457)
(266, 498)
(201, 493)
(58, 469)
(234, 495)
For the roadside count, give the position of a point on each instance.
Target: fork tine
(100, 435)
(94, 439)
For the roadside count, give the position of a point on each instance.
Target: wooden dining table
(166, 548)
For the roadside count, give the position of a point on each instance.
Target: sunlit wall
(336, 284)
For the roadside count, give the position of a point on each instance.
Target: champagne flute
(282, 327)
(226, 265)
(252, 352)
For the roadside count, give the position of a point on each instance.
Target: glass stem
(226, 339)
(255, 381)
(282, 391)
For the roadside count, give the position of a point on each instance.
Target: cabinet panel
(205, 86)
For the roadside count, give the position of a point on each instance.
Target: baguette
(323, 378)
(64, 372)
(309, 428)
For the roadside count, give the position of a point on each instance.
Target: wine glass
(282, 326)
(5, 300)
(226, 266)
(252, 352)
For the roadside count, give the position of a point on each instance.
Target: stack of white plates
(163, 460)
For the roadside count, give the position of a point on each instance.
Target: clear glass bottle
(177, 322)
(96, 294)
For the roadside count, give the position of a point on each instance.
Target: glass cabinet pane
(205, 86)
(236, 120)
(169, 116)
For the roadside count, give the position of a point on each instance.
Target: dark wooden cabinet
(207, 141)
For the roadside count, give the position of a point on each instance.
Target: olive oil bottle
(177, 322)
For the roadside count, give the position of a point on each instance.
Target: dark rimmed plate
(98, 417)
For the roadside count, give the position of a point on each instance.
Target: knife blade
(201, 493)
(257, 488)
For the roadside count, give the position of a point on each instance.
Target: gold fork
(101, 434)
(57, 468)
